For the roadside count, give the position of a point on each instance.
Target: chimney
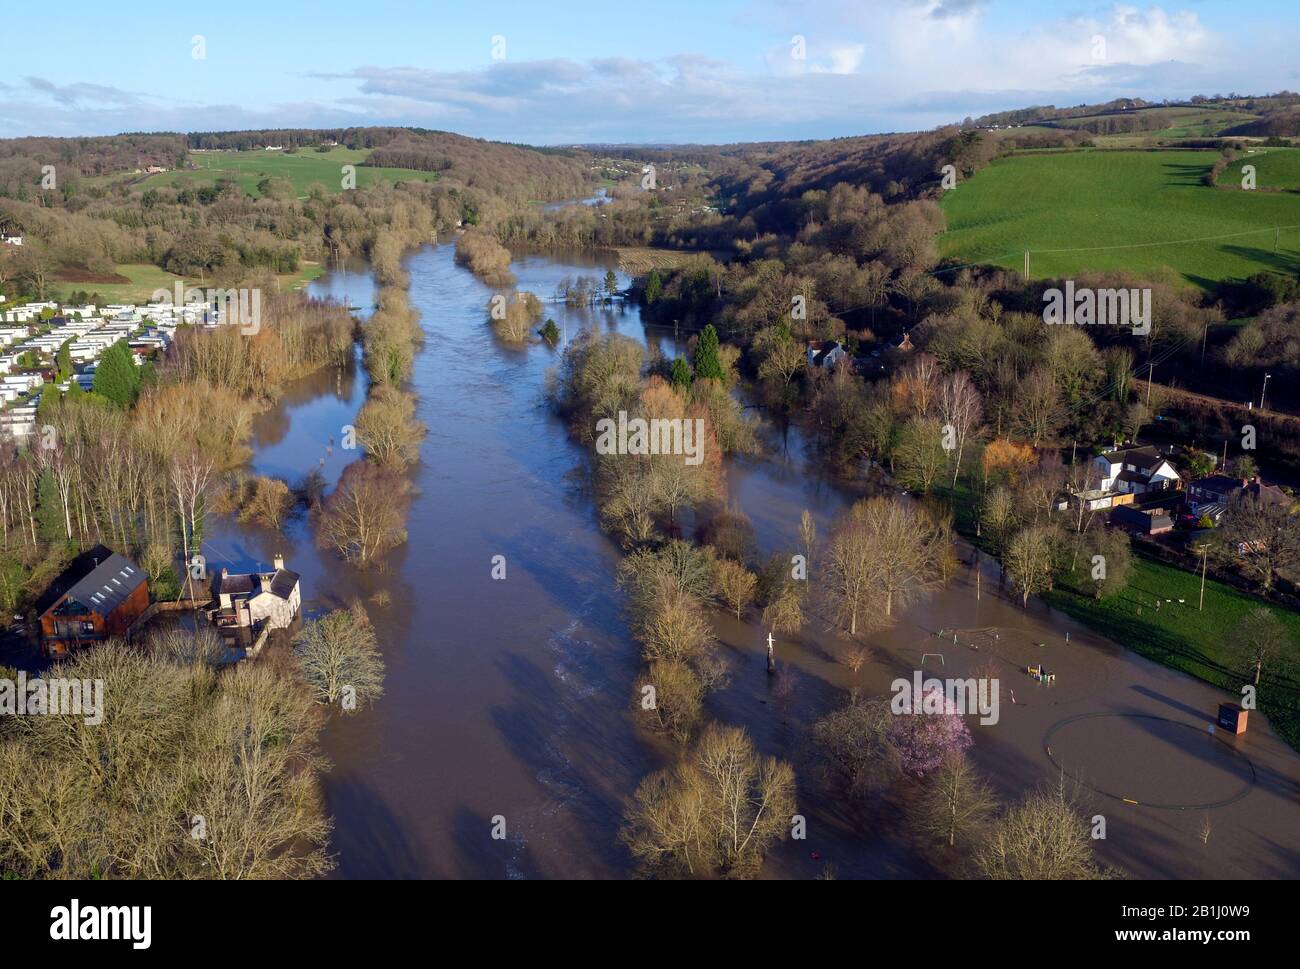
(224, 572)
(279, 562)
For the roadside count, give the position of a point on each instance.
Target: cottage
(101, 594)
(249, 599)
(1136, 471)
(824, 353)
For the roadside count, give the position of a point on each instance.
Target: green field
(1274, 168)
(1179, 635)
(1175, 122)
(303, 168)
(141, 280)
(1118, 210)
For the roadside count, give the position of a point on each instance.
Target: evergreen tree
(117, 377)
(63, 359)
(654, 288)
(48, 404)
(49, 509)
(681, 373)
(707, 364)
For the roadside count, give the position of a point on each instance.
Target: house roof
(284, 583)
(821, 350)
(281, 583)
(1271, 494)
(99, 579)
(1146, 458)
(1219, 484)
(1229, 487)
(1152, 519)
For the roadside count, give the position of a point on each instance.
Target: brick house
(100, 595)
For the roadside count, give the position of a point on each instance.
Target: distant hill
(1278, 124)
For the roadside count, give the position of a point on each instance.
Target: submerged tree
(715, 813)
(955, 805)
(1045, 838)
(340, 659)
(364, 518)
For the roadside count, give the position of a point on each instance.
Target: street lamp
(1264, 391)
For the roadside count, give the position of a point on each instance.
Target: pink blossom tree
(924, 740)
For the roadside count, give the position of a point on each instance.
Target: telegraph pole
(1204, 549)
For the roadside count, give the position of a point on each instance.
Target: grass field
(1180, 636)
(1274, 168)
(1176, 122)
(1118, 210)
(302, 168)
(141, 280)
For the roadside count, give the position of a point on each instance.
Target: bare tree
(1046, 838)
(190, 476)
(1261, 537)
(1030, 560)
(388, 430)
(678, 698)
(1037, 408)
(961, 408)
(808, 535)
(736, 585)
(713, 814)
(364, 517)
(1258, 640)
(339, 657)
(956, 804)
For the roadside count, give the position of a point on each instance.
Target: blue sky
(582, 71)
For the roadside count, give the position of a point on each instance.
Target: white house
(248, 599)
(1136, 471)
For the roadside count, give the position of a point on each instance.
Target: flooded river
(509, 701)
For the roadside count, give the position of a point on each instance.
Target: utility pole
(1151, 370)
(1204, 549)
(1264, 391)
(1205, 337)
(1026, 265)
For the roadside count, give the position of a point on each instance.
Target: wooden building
(100, 595)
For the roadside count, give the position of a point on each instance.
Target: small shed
(1232, 717)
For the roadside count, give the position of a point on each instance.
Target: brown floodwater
(508, 702)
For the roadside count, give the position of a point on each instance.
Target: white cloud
(870, 65)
